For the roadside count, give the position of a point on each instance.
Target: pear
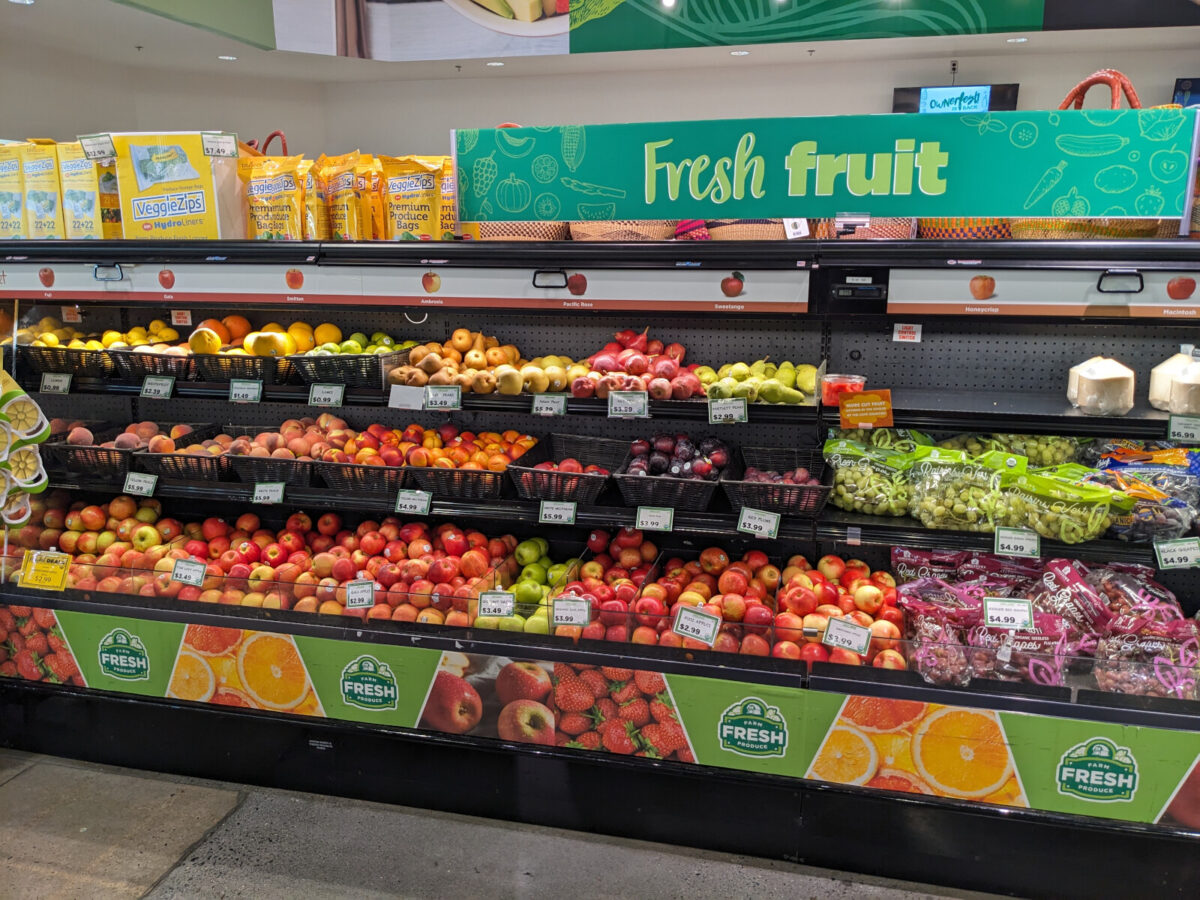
(739, 371)
(747, 389)
(509, 380)
(441, 377)
(721, 390)
(430, 363)
(723, 372)
(474, 359)
(759, 368)
(706, 374)
(786, 375)
(806, 378)
(772, 391)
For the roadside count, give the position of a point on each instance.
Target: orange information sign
(867, 409)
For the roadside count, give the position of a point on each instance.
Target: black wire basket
(228, 366)
(254, 469)
(362, 370)
(803, 500)
(687, 494)
(180, 466)
(460, 484)
(90, 462)
(84, 363)
(548, 484)
(356, 477)
(137, 364)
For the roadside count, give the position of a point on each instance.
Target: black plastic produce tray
(686, 494)
(84, 363)
(100, 463)
(366, 370)
(544, 484)
(134, 364)
(227, 367)
(460, 484)
(186, 466)
(801, 500)
(356, 477)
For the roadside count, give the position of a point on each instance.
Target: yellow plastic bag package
(274, 197)
(79, 178)
(43, 199)
(342, 196)
(316, 212)
(12, 193)
(413, 198)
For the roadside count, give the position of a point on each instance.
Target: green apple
(545, 562)
(534, 572)
(527, 593)
(492, 623)
(512, 623)
(556, 573)
(528, 552)
(542, 543)
(538, 623)
(359, 338)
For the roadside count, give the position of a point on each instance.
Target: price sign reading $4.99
(415, 503)
(1183, 553)
(1017, 542)
(1003, 612)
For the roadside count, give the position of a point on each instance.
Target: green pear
(806, 378)
(723, 372)
(747, 389)
(786, 376)
(739, 371)
(721, 390)
(706, 374)
(759, 368)
(772, 391)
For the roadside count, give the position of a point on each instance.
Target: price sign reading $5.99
(557, 512)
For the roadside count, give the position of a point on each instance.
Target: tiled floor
(75, 830)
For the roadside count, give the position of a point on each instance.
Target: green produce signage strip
(1124, 163)
(1123, 772)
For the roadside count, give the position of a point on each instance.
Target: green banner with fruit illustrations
(1122, 163)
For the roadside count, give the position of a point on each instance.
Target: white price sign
(181, 318)
(727, 411)
(1184, 428)
(245, 391)
(443, 396)
(158, 387)
(415, 503)
(70, 315)
(55, 383)
(219, 143)
(758, 522)
(499, 604)
(268, 492)
(847, 635)
(360, 594)
(628, 405)
(696, 624)
(188, 571)
(97, 146)
(1004, 612)
(326, 394)
(1179, 554)
(549, 405)
(654, 518)
(906, 334)
(571, 610)
(1017, 542)
(557, 512)
(402, 396)
(140, 484)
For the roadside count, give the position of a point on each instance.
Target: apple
(982, 287)
(166, 278)
(145, 536)
(522, 681)
(577, 284)
(845, 657)
(294, 279)
(786, 650)
(453, 705)
(885, 635)
(526, 722)
(831, 567)
(816, 622)
(869, 598)
(731, 285)
(431, 282)
(1181, 288)
(889, 659)
(46, 277)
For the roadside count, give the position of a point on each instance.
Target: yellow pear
(534, 379)
(484, 383)
(475, 359)
(508, 380)
(557, 378)
(461, 340)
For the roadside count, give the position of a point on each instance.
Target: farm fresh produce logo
(369, 684)
(123, 655)
(1099, 770)
(752, 728)
(1122, 163)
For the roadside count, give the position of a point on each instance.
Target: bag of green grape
(953, 491)
(1060, 510)
(868, 480)
(1039, 449)
(901, 440)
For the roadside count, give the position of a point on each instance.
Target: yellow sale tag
(45, 570)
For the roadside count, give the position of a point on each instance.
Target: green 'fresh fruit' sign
(1064, 164)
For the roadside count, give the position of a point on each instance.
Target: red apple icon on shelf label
(577, 284)
(983, 287)
(731, 285)
(432, 282)
(1181, 288)
(46, 277)
(167, 279)
(294, 279)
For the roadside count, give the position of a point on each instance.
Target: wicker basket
(524, 231)
(365, 370)
(1194, 233)
(877, 230)
(460, 484)
(580, 487)
(226, 367)
(1082, 229)
(803, 500)
(964, 229)
(101, 463)
(132, 364)
(255, 469)
(747, 230)
(84, 363)
(684, 494)
(355, 477)
(188, 466)
(622, 230)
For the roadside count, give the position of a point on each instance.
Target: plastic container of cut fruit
(802, 500)
(833, 386)
(551, 484)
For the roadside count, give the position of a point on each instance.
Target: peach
(80, 437)
(127, 441)
(178, 431)
(299, 446)
(161, 444)
(146, 430)
(282, 453)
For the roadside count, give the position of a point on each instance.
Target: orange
(1009, 795)
(219, 327)
(211, 640)
(895, 780)
(879, 714)
(238, 326)
(270, 669)
(192, 678)
(961, 753)
(895, 750)
(846, 757)
(228, 697)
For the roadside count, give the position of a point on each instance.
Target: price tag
(654, 518)
(70, 315)
(189, 571)
(402, 396)
(245, 391)
(847, 635)
(727, 411)
(268, 492)
(628, 405)
(697, 624)
(181, 318)
(906, 334)
(218, 143)
(55, 383)
(557, 512)
(140, 484)
(1017, 542)
(793, 229)
(97, 146)
(570, 610)
(758, 522)
(1184, 428)
(415, 503)
(549, 405)
(158, 387)
(853, 536)
(360, 594)
(1003, 612)
(45, 569)
(326, 394)
(443, 396)
(496, 603)
(1183, 553)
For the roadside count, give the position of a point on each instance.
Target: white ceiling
(80, 30)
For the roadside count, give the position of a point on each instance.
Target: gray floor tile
(13, 762)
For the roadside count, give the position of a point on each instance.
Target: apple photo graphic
(432, 282)
(983, 287)
(453, 705)
(731, 285)
(526, 722)
(166, 278)
(294, 279)
(46, 277)
(577, 284)
(1181, 288)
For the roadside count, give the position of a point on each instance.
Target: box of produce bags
(43, 202)
(12, 192)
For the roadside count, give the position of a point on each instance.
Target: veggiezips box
(12, 192)
(43, 202)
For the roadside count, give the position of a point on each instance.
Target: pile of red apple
(610, 580)
(633, 362)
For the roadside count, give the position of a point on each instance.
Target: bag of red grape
(938, 652)
(1158, 661)
(1036, 655)
(909, 564)
(1063, 590)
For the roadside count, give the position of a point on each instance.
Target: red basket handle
(1116, 81)
(270, 137)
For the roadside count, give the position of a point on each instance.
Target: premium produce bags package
(12, 193)
(170, 190)
(43, 202)
(954, 491)
(868, 480)
(79, 181)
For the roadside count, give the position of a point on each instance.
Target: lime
(359, 338)
(379, 337)
(330, 347)
(383, 340)
(383, 348)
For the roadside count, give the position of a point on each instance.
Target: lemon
(49, 339)
(111, 337)
(94, 345)
(156, 326)
(49, 323)
(138, 333)
(169, 334)
(327, 334)
(76, 344)
(380, 337)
